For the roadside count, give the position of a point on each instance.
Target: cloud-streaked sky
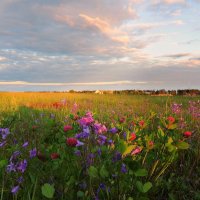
(99, 44)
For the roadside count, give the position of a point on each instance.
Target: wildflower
(102, 139)
(113, 130)
(67, 128)
(25, 144)
(117, 156)
(55, 156)
(87, 120)
(122, 120)
(132, 137)
(124, 135)
(15, 189)
(150, 144)
(176, 108)
(136, 151)
(141, 123)
(20, 179)
(187, 134)
(72, 142)
(4, 132)
(77, 153)
(11, 167)
(79, 143)
(99, 128)
(2, 143)
(171, 119)
(22, 166)
(123, 168)
(33, 153)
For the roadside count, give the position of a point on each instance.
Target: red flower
(171, 119)
(122, 120)
(141, 123)
(136, 151)
(55, 156)
(133, 137)
(67, 128)
(187, 134)
(151, 144)
(72, 142)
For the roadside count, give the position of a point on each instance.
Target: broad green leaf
(103, 172)
(147, 186)
(93, 173)
(141, 172)
(139, 186)
(182, 145)
(121, 147)
(80, 194)
(48, 190)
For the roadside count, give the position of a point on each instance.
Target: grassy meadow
(90, 146)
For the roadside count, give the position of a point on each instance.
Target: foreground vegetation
(87, 146)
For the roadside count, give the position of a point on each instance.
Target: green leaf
(80, 194)
(48, 190)
(3, 163)
(182, 145)
(139, 186)
(122, 145)
(141, 172)
(93, 173)
(143, 188)
(71, 181)
(147, 186)
(103, 172)
(130, 198)
(172, 126)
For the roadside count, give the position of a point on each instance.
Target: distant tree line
(162, 92)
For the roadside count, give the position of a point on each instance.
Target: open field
(90, 146)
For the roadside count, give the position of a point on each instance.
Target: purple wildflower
(22, 166)
(84, 134)
(77, 153)
(117, 156)
(4, 132)
(15, 189)
(113, 130)
(20, 179)
(102, 139)
(99, 128)
(33, 153)
(123, 168)
(2, 143)
(25, 144)
(79, 143)
(11, 167)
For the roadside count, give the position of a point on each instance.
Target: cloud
(176, 56)
(168, 2)
(103, 26)
(70, 84)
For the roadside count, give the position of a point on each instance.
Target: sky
(99, 44)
